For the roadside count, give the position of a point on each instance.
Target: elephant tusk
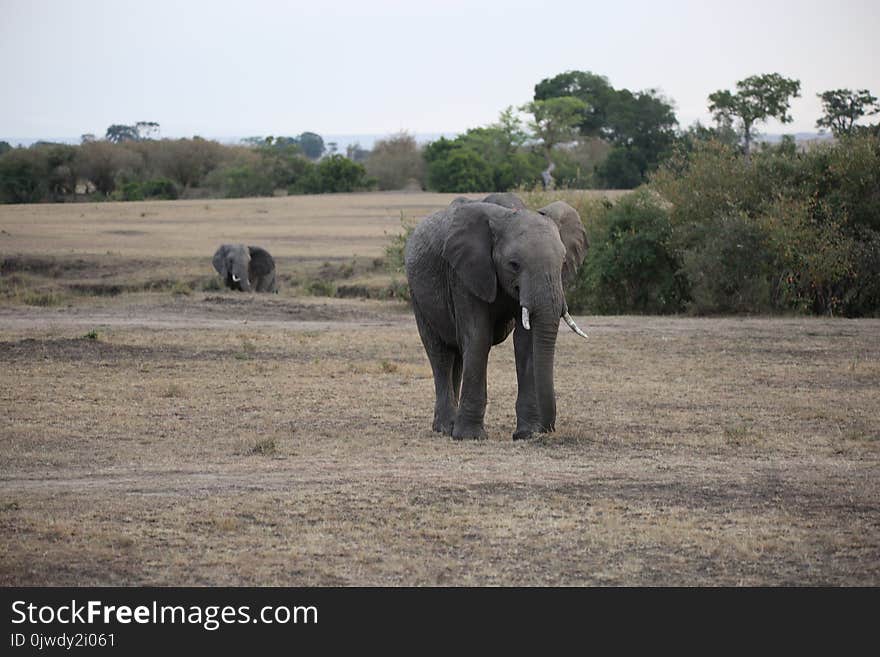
(525, 319)
(574, 327)
(235, 279)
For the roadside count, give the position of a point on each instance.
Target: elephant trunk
(545, 328)
(543, 303)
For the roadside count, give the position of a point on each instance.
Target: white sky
(258, 67)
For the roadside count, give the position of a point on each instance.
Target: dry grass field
(155, 431)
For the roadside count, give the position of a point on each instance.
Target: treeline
(580, 132)
(712, 233)
(136, 169)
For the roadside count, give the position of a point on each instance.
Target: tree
(118, 133)
(339, 174)
(510, 128)
(396, 161)
(102, 162)
(843, 107)
(312, 145)
(4, 147)
(555, 122)
(456, 168)
(23, 174)
(640, 125)
(758, 98)
(146, 130)
(188, 161)
(593, 89)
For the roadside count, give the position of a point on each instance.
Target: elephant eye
(514, 265)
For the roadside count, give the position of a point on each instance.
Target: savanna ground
(155, 430)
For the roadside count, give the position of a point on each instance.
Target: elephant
(478, 270)
(245, 268)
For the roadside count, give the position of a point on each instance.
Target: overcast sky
(258, 67)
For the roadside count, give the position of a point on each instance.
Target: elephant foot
(460, 432)
(525, 432)
(442, 426)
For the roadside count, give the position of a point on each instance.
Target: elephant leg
(527, 418)
(446, 404)
(443, 359)
(472, 408)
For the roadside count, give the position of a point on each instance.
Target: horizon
(367, 141)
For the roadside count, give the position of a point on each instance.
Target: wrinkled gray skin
(245, 268)
(472, 268)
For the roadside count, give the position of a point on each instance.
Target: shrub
(630, 266)
(395, 249)
(23, 176)
(239, 181)
(460, 170)
(160, 188)
(808, 224)
(729, 270)
(622, 169)
(339, 174)
(131, 191)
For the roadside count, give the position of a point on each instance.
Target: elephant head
(232, 262)
(245, 268)
(512, 257)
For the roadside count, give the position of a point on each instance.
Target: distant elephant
(477, 271)
(245, 268)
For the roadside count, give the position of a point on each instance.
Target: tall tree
(555, 122)
(396, 162)
(843, 107)
(640, 125)
(118, 133)
(595, 90)
(758, 98)
(312, 145)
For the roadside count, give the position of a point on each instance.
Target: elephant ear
(219, 259)
(468, 247)
(261, 263)
(572, 233)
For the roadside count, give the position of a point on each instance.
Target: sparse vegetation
(181, 289)
(264, 447)
(40, 298)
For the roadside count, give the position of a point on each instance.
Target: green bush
(394, 251)
(630, 266)
(240, 181)
(808, 224)
(131, 191)
(160, 189)
(24, 176)
(333, 174)
(622, 169)
(460, 170)
(730, 269)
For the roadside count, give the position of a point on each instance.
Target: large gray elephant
(245, 268)
(477, 271)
